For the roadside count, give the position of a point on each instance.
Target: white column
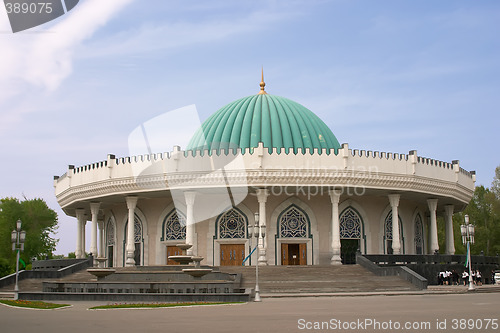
(80, 218)
(335, 197)
(450, 239)
(432, 203)
(94, 211)
(100, 225)
(190, 223)
(262, 195)
(130, 247)
(396, 243)
(84, 231)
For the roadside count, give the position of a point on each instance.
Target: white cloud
(44, 57)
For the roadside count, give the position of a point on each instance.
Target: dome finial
(262, 84)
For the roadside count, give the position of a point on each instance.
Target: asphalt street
(417, 313)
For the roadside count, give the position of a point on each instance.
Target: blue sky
(384, 75)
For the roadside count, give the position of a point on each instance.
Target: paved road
(272, 315)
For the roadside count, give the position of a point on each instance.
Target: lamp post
(467, 231)
(18, 237)
(257, 231)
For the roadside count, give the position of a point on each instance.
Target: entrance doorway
(348, 248)
(232, 254)
(293, 254)
(173, 251)
(110, 256)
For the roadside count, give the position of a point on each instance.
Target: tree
(495, 185)
(39, 222)
(484, 213)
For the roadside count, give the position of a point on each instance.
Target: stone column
(100, 225)
(190, 222)
(396, 242)
(84, 242)
(262, 195)
(80, 219)
(432, 203)
(94, 211)
(335, 198)
(130, 247)
(450, 239)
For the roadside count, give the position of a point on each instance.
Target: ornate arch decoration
(293, 222)
(419, 234)
(232, 224)
(174, 226)
(351, 224)
(110, 232)
(388, 234)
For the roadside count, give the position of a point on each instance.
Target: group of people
(477, 279)
(452, 278)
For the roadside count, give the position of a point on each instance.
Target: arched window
(419, 235)
(350, 225)
(232, 224)
(293, 223)
(174, 226)
(110, 242)
(388, 234)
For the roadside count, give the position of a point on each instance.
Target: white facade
(315, 203)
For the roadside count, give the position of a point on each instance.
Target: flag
(22, 262)
(467, 255)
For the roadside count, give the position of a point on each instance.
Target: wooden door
(173, 251)
(303, 254)
(284, 254)
(232, 254)
(293, 254)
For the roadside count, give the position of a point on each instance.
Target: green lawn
(156, 305)
(33, 304)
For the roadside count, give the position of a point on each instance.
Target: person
(465, 277)
(493, 276)
(479, 282)
(454, 277)
(473, 273)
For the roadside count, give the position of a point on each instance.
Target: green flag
(22, 262)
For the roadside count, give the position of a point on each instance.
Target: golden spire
(262, 84)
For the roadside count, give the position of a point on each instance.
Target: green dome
(275, 121)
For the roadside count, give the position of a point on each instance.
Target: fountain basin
(182, 259)
(100, 273)
(197, 272)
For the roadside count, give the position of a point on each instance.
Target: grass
(33, 304)
(156, 305)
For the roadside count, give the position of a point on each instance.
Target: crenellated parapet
(261, 167)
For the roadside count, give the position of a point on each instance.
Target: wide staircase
(276, 280)
(279, 280)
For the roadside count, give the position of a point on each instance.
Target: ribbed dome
(276, 121)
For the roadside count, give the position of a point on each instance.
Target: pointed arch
(293, 222)
(419, 234)
(110, 241)
(232, 224)
(312, 234)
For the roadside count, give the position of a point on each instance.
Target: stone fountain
(185, 259)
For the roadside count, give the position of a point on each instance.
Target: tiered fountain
(185, 259)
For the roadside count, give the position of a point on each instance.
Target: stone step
(318, 279)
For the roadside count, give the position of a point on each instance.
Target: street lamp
(467, 231)
(17, 237)
(259, 232)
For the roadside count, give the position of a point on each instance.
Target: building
(318, 201)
